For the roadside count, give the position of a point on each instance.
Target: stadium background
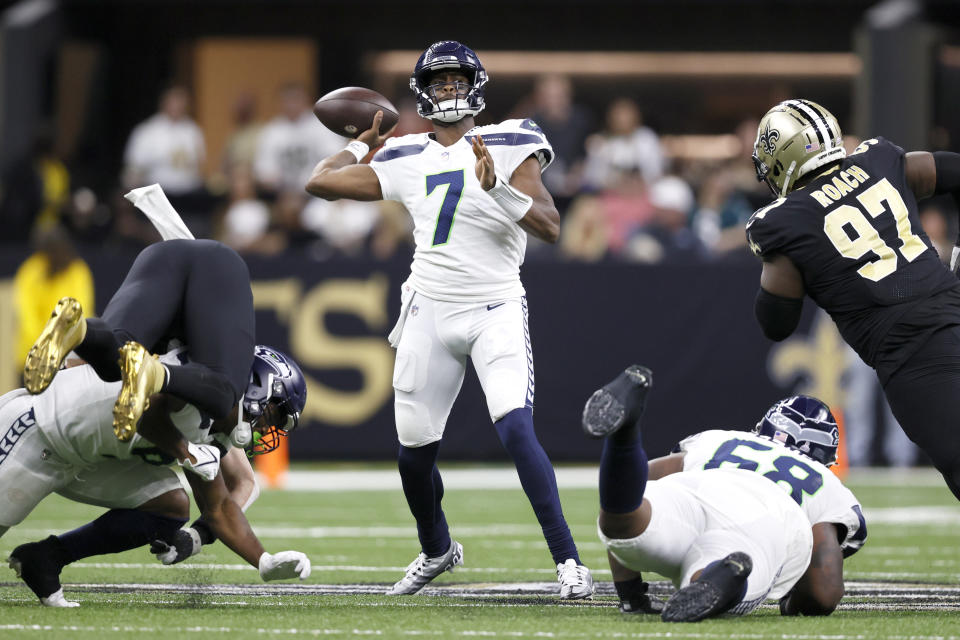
(89, 71)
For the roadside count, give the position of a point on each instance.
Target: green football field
(905, 583)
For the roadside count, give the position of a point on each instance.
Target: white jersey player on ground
(62, 441)
(740, 493)
(474, 193)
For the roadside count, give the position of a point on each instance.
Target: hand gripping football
(349, 111)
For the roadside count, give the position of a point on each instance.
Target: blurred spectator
(288, 221)
(35, 191)
(247, 218)
(410, 120)
(394, 228)
(626, 146)
(728, 196)
(344, 225)
(240, 151)
(88, 219)
(566, 126)
(292, 144)
(585, 230)
(668, 237)
(168, 148)
(934, 223)
(52, 272)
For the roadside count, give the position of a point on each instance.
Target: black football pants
(196, 291)
(925, 397)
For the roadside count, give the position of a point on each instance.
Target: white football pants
(701, 516)
(435, 339)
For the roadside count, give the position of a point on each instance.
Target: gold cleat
(65, 329)
(143, 375)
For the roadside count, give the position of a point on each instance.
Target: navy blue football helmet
(274, 399)
(803, 423)
(448, 55)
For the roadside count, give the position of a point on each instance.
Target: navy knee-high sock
(623, 471)
(423, 489)
(115, 531)
(100, 349)
(538, 481)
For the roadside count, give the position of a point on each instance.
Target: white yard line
(389, 479)
(466, 633)
(568, 477)
(325, 568)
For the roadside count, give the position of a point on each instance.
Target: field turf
(904, 584)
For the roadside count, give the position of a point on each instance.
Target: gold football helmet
(794, 138)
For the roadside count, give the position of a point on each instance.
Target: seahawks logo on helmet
(768, 139)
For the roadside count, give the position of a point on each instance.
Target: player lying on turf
(195, 291)
(727, 538)
(61, 441)
(845, 231)
(474, 193)
(792, 446)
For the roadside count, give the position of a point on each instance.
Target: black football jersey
(855, 236)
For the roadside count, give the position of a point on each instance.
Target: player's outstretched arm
(820, 589)
(780, 298)
(339, 176)
(664, 466)
(525, 200)
(543, 219)
(933, 173)
(239, 477)
(225, 518)
(228, 523)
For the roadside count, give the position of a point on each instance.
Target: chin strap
(787, 181)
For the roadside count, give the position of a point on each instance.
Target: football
(349, 111)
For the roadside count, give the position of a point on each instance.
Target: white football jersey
(467, 249)
(813, 486)
(75, 414)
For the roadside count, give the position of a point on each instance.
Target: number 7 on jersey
(451, 200)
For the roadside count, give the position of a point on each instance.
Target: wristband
(358, 149)
(512, 201)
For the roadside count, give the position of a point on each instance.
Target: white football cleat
(57, 599)
(423, 569)
(575, 580)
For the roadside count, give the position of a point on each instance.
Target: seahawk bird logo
(768, 140)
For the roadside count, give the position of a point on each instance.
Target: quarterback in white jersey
(474, 193)
(62, 441)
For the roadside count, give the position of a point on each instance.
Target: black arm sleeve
(948, 172)
(778, 316)
(948, 177)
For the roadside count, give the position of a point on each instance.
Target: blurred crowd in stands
(623, 194)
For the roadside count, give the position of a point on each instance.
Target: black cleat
(718, 589)
(35, 563)
(642, 604)
(618, 403)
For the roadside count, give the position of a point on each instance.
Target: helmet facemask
(795, 138)
(273, 401)
(448, 56)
